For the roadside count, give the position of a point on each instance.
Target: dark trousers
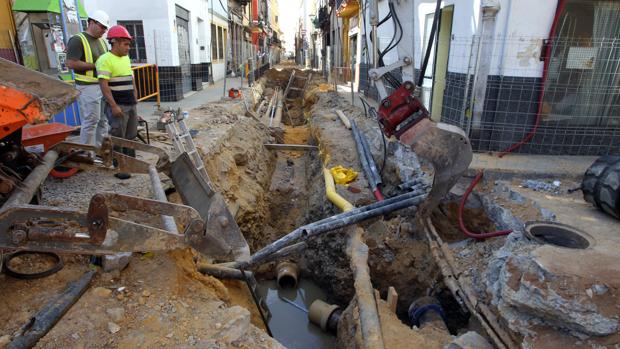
(125, 126)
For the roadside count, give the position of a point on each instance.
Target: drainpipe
(358, 254)
(374, 23)
(489, 8)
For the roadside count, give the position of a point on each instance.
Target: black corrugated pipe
(368, 163)
(356, 215)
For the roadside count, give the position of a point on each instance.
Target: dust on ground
(159, 300)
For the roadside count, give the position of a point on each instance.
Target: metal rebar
(24, 193)
(43, 321)
(256, 302)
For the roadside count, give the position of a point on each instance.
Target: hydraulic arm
(403, 115)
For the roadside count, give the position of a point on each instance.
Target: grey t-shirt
(75, 50)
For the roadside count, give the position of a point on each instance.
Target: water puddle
(289, 318)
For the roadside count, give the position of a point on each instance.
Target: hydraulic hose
(478, 236)
(429, 46)
(530, 135)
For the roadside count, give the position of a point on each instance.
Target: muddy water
(289, 319)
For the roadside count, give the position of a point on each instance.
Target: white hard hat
(101, 17)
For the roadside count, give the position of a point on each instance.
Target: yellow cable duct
(332, 195)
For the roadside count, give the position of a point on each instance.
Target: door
(441, 62)
(184, 58)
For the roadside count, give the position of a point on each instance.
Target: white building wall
(217, 15)
(155, 18)
(197, 9)
(159, 21)
(520, 27)
(527, 23)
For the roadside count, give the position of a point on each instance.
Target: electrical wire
(429, 46)
(369, 109)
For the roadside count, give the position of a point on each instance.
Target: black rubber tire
(30, 276)
(592, 175)
(607, 190)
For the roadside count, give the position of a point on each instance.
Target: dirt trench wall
(237, 162)
(398, 255)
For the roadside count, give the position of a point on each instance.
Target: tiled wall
(197, 73)
(205, 71)
(170, 84)
(510, 110)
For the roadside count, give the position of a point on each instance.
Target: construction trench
(398, 280)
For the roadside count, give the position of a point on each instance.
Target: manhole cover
(558, 234)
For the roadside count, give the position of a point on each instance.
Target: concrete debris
(552, 187)
(116, 314)
(5, 340)
(113, 328)
(271, 192)
(102, 292)
(236, 327)
(118, 261)
(527, 287)
(469, 340)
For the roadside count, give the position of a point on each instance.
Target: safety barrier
(146, 78)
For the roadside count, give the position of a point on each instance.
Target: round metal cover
(558, 234)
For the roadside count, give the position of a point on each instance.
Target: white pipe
(343, 118)
(502, 68)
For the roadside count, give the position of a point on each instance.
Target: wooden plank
(291, 147)
(377, 295)
(392, 299)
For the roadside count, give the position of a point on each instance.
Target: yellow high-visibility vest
(88, 55)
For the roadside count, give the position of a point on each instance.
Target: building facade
(503, 70)
(185, 38)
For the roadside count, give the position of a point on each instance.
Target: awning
(45, 6)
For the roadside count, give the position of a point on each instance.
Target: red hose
(478, 236)
(378, 194)
(530, 135)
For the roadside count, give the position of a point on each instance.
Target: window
(137, 52)
(213, 42)
(220, 41)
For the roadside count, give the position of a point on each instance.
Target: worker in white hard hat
(83, 50)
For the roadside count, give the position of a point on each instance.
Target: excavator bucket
(29, 97)
(223, 240)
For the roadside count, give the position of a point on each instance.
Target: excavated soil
(398, 256)
(161, 301)
(158, 301)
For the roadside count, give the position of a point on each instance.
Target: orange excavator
(28, 97)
